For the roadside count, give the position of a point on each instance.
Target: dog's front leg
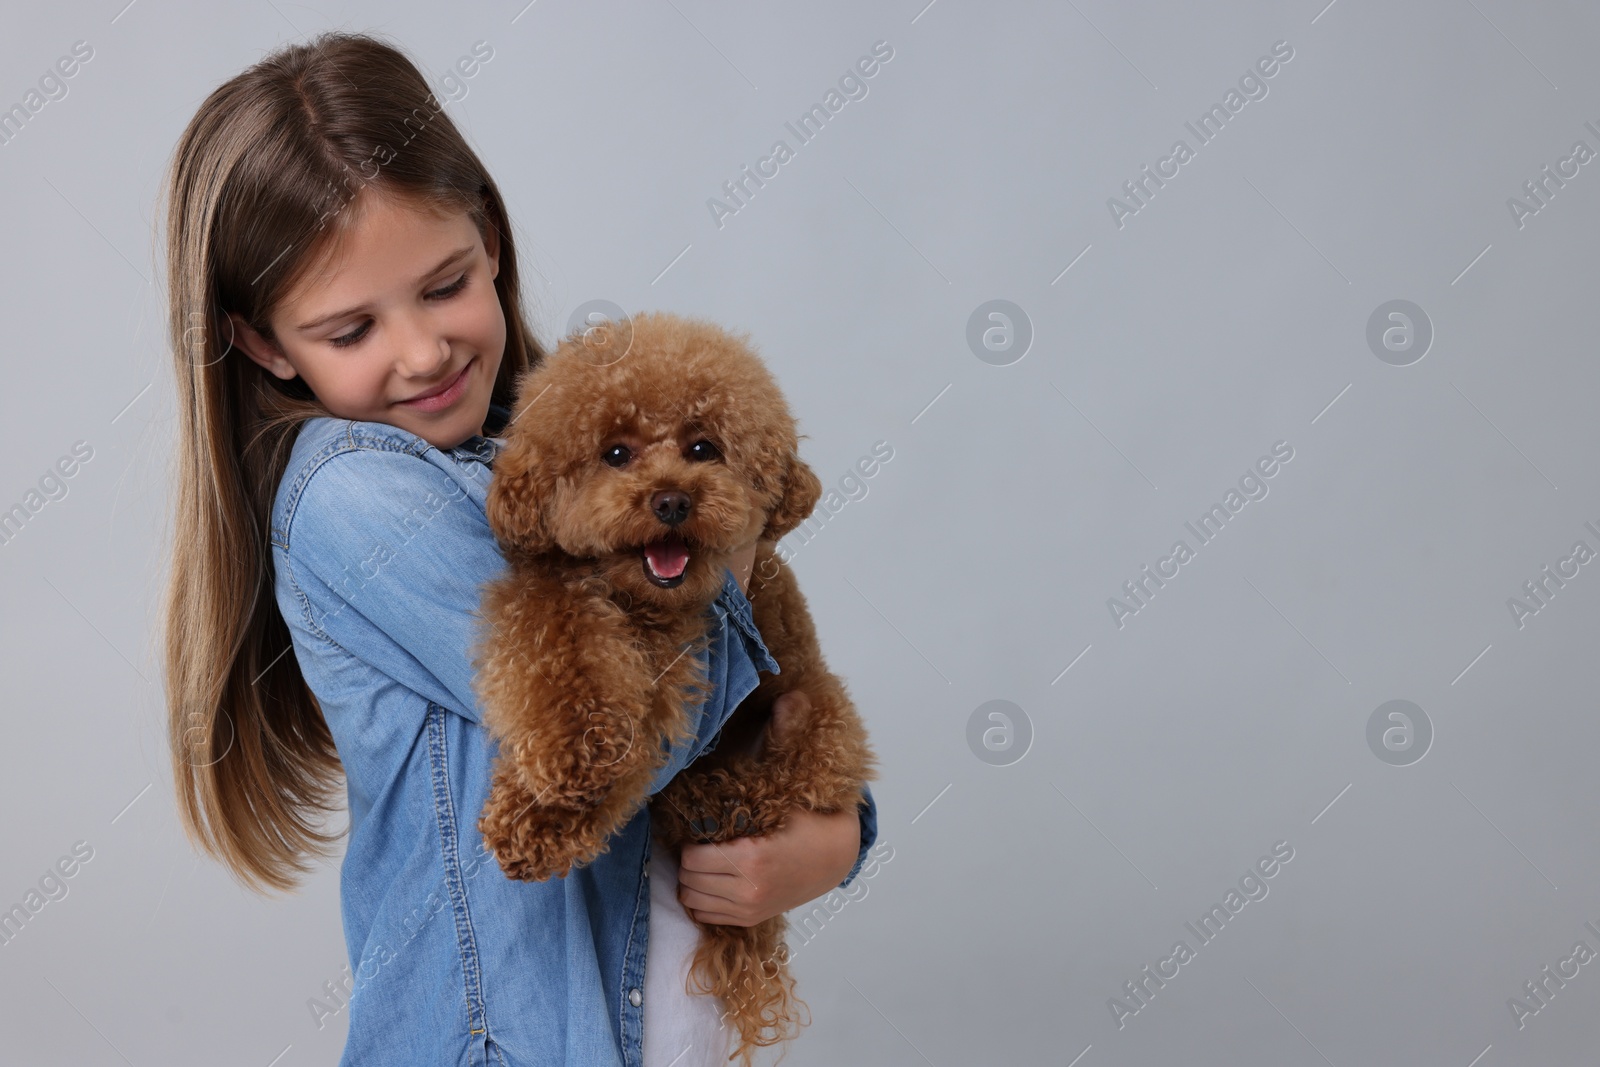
(566, 692)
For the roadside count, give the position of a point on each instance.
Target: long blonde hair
(254, 195)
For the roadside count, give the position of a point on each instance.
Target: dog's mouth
(666, 562)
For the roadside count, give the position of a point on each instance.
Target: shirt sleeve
(389, 554)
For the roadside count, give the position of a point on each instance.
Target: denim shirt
(380, 545)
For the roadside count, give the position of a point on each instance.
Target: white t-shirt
(681, 1029)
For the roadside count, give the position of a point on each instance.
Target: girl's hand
(750, 879)
(747, 880)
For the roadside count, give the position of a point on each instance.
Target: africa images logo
(853, 85)
(1252, 887)
(1252, 486)
(1206, 128)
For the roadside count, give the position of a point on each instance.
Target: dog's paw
(521, 868)
(532, 839)
(735, 818)
(709, 828)
(541, 843)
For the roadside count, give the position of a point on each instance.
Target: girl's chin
(454, 432)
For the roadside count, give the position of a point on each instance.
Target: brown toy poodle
(641, 455)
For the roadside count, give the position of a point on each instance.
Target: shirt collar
(486, 448)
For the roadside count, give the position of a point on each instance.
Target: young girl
(347, 330)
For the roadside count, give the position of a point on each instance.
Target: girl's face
(400, 325)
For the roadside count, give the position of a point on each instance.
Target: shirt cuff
(868, 810)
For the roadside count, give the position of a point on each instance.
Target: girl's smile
(397, 321)
(442, 396)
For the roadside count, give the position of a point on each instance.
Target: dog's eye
(616, 456)
(703, 450)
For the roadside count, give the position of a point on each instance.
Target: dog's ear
(801, 490)
(518, 496)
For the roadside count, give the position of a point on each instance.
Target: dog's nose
(670, 506)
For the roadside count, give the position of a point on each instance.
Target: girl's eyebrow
(443, 263)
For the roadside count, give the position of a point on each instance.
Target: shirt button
(635, 997)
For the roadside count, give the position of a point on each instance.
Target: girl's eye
(452, 289)
(703, 450)
(616, 456)
(350, 338)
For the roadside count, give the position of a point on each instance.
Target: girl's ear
(519, 492)
(801, 490)
(258, 348)
(491, 247)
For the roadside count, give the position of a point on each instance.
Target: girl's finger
(718, 918)
(726, 857)
(721, 885)
(787, 711)
(693, 898)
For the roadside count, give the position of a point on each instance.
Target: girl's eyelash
(350, 338)
(453, 288)
(345, 340)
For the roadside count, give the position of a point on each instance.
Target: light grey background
(1228, 314)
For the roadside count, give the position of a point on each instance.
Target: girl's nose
(423, 352)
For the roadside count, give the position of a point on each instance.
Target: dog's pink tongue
(667, 558)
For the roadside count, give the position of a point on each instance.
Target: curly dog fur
(634, 445)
